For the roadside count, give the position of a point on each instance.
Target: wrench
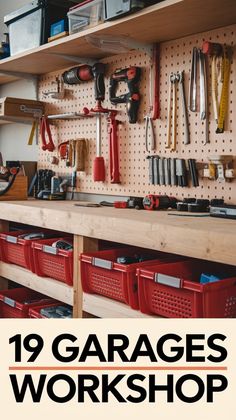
(180, 78)
(171, 135)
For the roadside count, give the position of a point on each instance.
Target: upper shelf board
(170, 19)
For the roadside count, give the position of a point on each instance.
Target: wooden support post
(81, 244)
(4, 227)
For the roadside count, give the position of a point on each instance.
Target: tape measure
(32, 133)
(158, 202)
(224, 94)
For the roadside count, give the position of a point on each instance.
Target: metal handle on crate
(50, 250)
(168, 280)
(98, 262)
(11, 239)
(9, 302)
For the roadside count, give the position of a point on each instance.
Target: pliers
(149, 133)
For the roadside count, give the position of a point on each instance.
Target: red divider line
(160, 368)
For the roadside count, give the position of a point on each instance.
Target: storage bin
(35, 312)
(87, 14)
(102, 275)
(15, 303)
(53, 262)
(16, 250)
(174, 290)
(29, 26)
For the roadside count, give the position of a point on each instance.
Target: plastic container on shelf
(17, 250)
(84, 15)
(175, 291)
(102, 275)
(29, 26)
(53, 262)
(40, 311)
(15, 303)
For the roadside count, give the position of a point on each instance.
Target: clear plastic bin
(87, 14)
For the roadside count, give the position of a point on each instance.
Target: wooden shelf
(198, 237)
(50, 287)
(108, 308)
(93, 304)
(170, 19)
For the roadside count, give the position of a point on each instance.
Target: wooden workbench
(200, 237)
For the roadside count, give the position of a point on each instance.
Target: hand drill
(131, 76)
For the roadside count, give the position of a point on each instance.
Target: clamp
(45, 131)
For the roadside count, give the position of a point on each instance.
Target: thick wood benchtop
(200, 237)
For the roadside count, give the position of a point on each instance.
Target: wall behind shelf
(175, 55)
(14, 137)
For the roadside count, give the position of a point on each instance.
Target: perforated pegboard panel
(175, 56)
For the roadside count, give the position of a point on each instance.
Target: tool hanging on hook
(224, 93)
(199, 60)
(203, 94)
(98, 71)
(220, 74)
(171, 134)
(154, 99)
(114, 150)
(131, 76)
(59, 93)
(180, 79)
(45, 133)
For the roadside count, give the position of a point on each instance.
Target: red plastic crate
(12, 302)
(53, 262)
(100, 274)
(17, 250)
(35, 311)
(173, 290)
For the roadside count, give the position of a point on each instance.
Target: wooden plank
(81, 244)
(18, 191)
(98, 306)
(4, 227)
(47, 286)
(4, 283)
(200, 237)
(108, 308)
(170, 19)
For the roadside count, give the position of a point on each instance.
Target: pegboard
(175, 56)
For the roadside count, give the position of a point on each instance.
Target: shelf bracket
(75, 59)
(19, 75)
(118, 44)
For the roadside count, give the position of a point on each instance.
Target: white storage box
(87, 14)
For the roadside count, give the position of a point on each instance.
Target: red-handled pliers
(45, 130)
